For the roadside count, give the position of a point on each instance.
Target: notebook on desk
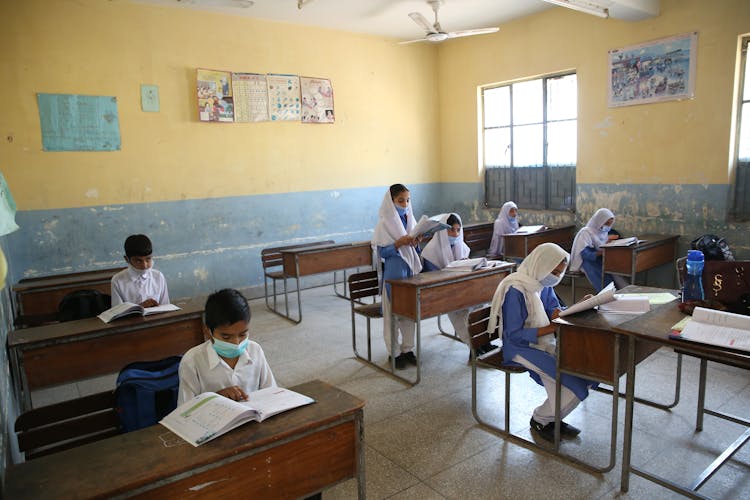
(529, 229)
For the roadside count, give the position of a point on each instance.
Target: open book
(209, 415)
(627, 303)
(719, 328)
(623, 242)
(466, 264)
(529, 229)
(128, 308)
(427, 226)
(606, 295)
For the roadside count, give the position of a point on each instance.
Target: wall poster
(79, 122)
(283, 97)
(317, 100)
(250, 97)
(660, 70)
(215, 102)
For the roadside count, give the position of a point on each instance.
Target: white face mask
(140, 272)
(551, 280)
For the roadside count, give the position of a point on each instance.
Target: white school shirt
(129, 286)
(202, 370)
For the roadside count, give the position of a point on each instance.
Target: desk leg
(18, 374)
(361, 483)
(627, 439)
(701, 394)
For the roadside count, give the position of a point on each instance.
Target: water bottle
(693, 287)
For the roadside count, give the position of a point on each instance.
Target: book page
(529, 229)
(274, 400)
(606, 295)
(627, 304)
(122, 309)
(721, 318)
(160, 309)
(466, 264)
(427, 226)
(734, 338)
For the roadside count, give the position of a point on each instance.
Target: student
(506, 223)
(586, 255)
(399, 253)
(523, 304)
(228, 363)
(445, 247)
(139, 283)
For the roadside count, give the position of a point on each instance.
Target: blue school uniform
(516, 340)
(592, 266)
(394, 267)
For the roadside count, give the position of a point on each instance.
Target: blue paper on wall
(7, 209)
(79, 122)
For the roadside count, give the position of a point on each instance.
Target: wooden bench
(478, 237)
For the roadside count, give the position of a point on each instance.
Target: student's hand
(612, 237)
(586, 297)
(418, 239)
(555, 314)
(546, 330)
(234, 393)
(404, 240)
(149, 303)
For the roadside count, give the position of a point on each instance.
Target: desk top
(436, 278)
(569, 227)
(39, 335)
(128, 461)
(650, 240)
(61, 280)
(324, 247)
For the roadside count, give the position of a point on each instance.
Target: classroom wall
(662, 168)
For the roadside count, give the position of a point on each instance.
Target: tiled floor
(423, 442)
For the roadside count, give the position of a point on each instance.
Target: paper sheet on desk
(718, 328)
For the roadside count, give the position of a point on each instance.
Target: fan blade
(478, 31)
(422, 22)
(413, 41)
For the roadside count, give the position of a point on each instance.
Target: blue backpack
(147, 391)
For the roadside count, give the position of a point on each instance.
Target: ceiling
(388, 18)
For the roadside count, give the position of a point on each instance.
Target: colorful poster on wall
(661, 70)
(317, 100)
(250, 97)
(79, 122)
(215, 103)
(283, 97)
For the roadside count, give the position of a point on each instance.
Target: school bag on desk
(147, 391)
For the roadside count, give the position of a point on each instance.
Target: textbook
(529, 229)
(606, 295)
(128, 308)
(427, 227)
(467, 264)
(209, 415)
(719, 328)
(623, 242)
(627, 304)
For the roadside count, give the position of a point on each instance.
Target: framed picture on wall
(656, 71)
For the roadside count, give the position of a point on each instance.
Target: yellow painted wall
(385, 96)
(677, 142)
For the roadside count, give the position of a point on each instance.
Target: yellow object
(3, 269)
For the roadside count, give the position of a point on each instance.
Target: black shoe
(410, 357)
(488, 347)
(547, 432)
(568, 430)
(400, 362)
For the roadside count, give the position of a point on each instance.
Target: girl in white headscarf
(506, 223)
(399, 253)
(445, 247)
(523, 305)
(586, 255)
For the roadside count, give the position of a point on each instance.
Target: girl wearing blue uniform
(506, 223)
(523, 304)
(586, 255)
(400, 257)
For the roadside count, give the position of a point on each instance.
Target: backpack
(713, 247)
(146, 392)
(83, 304)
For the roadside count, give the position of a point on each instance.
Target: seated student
(228, 363)
(506, 223)
(523, 304)
(139, 283)
(444, 248)
(586, 256)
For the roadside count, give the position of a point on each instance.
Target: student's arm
(589, 254)
(266, 378)
(115, 293)
(190, 386)
(429, 266)
(164, 297)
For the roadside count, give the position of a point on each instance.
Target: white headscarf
(502, 226)
(535, 267)
(390, 228)
(589, 236)
(439, 250)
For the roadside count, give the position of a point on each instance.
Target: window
(741, 207)
(529, 142)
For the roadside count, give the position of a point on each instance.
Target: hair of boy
(138, 245)
(452, 219)
(397, 189)
(225, 307)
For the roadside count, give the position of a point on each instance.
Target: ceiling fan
(434, 33)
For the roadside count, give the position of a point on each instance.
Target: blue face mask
(605, 229)
(452, 240)
(228, 349)
(401, 211)
(512, 219)
(550, 280)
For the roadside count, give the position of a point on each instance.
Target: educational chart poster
(661, 70)
(283, 97)
(215, 103)
(250, 97)
(79, 122)
(317, 100)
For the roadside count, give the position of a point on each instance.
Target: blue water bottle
(693, 287)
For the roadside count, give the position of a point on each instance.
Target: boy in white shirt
(139, 283)
(228, 363)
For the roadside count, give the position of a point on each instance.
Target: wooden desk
(306, 261)
(36, 299)
(653, 328)
(478, 236)
(292, 455)
(657, 249)
(66, 352)
(518, 246)
(438, 292)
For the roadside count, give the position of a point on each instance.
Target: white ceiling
(389, 18)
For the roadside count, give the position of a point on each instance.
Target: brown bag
(729, 283)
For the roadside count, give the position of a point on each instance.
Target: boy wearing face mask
(523, 306)
(228, 363)
(586, 254)
(139, 283)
